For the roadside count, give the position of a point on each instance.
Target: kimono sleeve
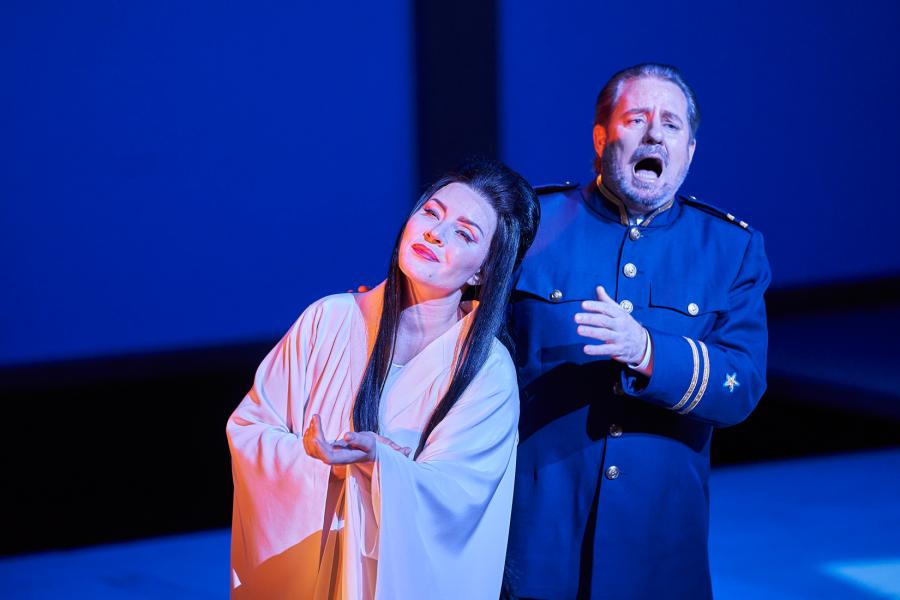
(444, 518)
(277, 487)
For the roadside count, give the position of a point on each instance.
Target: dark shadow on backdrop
(456, 84)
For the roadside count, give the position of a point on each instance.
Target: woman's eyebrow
(460, 219)
(472, 223)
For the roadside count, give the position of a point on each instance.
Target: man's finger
(595, 306)
(603, 296)
(603, 350)
(596, 333)
(595, 320)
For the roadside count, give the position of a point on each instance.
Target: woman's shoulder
(335, 308)
(500, 358)
(336, 303)
(495, 389)
(498, 374)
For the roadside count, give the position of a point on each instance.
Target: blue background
(182, 175)
(187, 174)
(799, 100)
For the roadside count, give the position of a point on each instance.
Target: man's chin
(647, 197)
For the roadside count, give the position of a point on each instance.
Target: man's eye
(465, 235)
(672, 126)
(636, 121)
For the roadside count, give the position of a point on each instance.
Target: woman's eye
(465, 235)
(430, 211)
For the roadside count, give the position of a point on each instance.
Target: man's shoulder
(705, 210)
(549, 189)
(558, 198)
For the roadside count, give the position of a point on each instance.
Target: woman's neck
(422, 321)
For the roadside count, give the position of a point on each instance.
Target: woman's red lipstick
(425, 252)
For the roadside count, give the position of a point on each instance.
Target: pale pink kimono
(397, 528)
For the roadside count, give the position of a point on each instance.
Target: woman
(412, 497)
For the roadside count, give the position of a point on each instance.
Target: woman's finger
(405, 450)
(314, 441)
(363, 440)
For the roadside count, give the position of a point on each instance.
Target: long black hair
(518, 213)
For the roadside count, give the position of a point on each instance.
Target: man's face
(647, 147)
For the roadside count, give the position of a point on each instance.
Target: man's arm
(718, 379)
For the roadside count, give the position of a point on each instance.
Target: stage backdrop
(799, 100)
(188, 174)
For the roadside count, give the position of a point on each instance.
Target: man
(640, 326)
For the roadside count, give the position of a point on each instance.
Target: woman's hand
(352, 447)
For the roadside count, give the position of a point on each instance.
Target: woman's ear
(475, 279)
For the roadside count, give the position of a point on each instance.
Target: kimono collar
(450, 341)
(604, 202)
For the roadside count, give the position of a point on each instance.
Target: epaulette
(552, 188)
(716, 211)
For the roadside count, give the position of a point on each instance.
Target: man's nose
(433, 237)
(654, 132)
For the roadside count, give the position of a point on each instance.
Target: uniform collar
(602, 201)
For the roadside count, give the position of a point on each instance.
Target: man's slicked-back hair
(609, 95)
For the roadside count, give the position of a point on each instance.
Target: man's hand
(625, 340)
(352, 447)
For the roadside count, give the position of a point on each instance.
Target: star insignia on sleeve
(731, 382)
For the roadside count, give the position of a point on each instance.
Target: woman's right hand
(352, 447)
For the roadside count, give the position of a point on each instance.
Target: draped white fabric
(397, 528)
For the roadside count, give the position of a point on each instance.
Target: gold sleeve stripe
(702, 390)
(691, 387)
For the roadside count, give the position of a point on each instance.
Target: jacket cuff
(680, 373)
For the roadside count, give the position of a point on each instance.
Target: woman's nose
(433, 238)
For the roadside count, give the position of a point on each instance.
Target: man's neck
(636, 212)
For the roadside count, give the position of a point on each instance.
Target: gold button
(693, 309)
(634, 234)
(630, 270)
(626, 305)
(615, 431)
(612, 472)
(555, 295)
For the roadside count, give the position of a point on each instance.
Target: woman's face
(446, 241)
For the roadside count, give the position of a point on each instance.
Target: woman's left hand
(352, 447)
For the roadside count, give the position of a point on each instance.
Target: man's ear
(691, 147)
(599, 139)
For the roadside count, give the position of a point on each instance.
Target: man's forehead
(651, 92)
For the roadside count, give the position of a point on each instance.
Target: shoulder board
(715, 211)
(555, 187)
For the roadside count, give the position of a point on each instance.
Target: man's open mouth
(649, 168)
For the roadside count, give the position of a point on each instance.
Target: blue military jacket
(611, 497)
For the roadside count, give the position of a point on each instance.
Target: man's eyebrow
(671, 115)
(636, 111)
